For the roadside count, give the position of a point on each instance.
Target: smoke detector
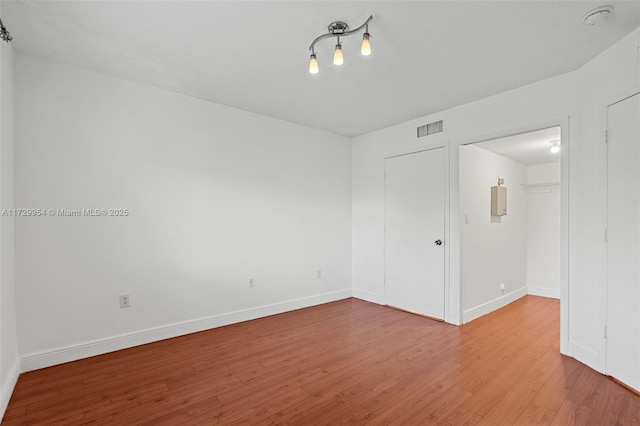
(598, 15)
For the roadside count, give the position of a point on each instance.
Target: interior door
(414, 232)
(623, 241)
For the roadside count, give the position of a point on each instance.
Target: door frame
(604, 193)
(449, 316)
(454, 227)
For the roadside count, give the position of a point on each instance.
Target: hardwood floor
(343, 362)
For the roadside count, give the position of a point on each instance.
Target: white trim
(603, 179)
(492, 305)
(47, 358)
(416, 149)
(368, 296)
(451, 294)
(565, 231)
(453, 248)
(7, 387)
(543, 292)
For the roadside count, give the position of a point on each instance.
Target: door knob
(438, 242)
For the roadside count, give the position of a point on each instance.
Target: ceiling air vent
(430, 129)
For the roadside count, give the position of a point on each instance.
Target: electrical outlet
(319, 273)
(125, 301)
(252, 283)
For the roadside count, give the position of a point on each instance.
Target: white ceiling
(427, 55)
(530, 148)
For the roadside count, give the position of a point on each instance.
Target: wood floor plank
(347, 362)
(550, 396)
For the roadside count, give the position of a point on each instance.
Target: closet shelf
(542, 187)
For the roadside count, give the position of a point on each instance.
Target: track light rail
(335, 30)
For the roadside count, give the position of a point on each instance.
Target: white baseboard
(368, 296)
(543, 292)
(47, 358)
(6, 388)
(492, 305)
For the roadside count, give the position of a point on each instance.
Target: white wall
(9, 361)
(577, 98)
(215, 196)
(493, 249)
(543, 231)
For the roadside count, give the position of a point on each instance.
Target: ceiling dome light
(313, 64)
(365, 49)
(555, 146)
(597, 15)
(4, 33)
(340, 29)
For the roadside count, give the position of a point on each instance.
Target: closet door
(623, 241)
(414, 232)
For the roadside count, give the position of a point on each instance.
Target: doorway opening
(510, 220)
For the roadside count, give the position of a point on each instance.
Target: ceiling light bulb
(313, 64)
(365, 49)
(555, 146)
(338, 59)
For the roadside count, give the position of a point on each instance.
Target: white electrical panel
(498, 201)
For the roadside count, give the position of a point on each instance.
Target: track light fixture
(4, 34)
(340, 29)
